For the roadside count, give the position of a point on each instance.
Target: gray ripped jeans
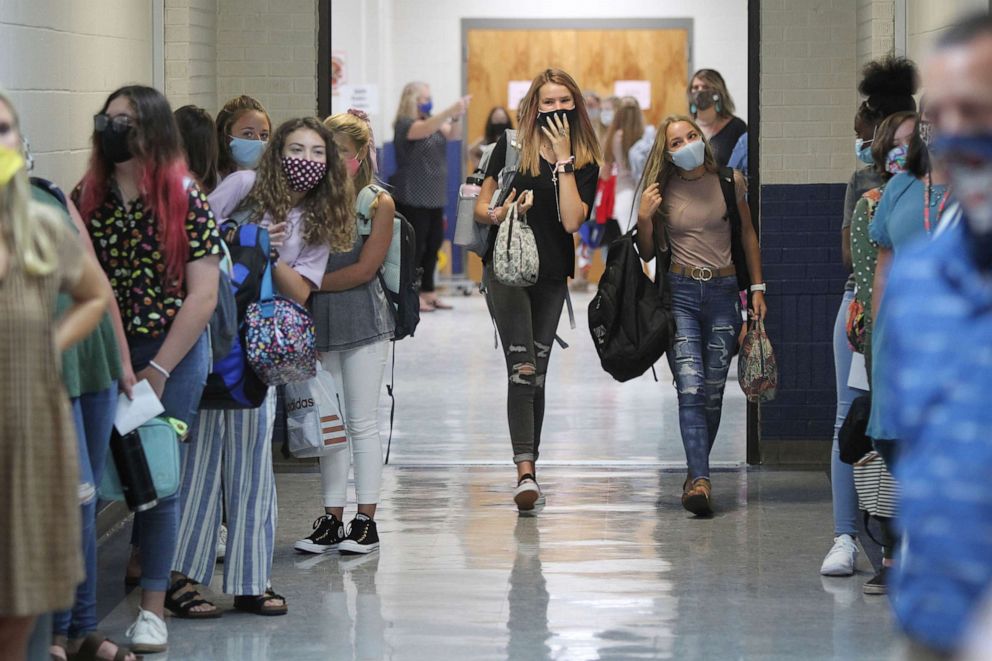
(527, 319)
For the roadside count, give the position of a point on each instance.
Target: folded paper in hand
(142, 407)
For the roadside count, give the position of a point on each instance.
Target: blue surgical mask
(862, 148)
(425, 107)
(690, 156)
(247, 153)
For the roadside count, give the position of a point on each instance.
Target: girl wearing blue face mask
(243, 128)
(710, 255)
(421, 175)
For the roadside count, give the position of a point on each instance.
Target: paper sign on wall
(516, 90)
(338, 71)
(639, 89)
(360, 97)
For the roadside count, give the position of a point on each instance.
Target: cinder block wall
(191, 53)
(59, 60)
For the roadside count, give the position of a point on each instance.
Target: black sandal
(256, 603)
(182, 605)
(90, 648)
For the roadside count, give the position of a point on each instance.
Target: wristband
(762, 287)
(158, 368)
(493, 217)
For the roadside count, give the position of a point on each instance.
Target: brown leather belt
(702, 273)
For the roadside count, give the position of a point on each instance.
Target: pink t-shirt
(308, 261)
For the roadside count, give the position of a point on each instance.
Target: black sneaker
(363, 537)
(326, 536)
(877, 584)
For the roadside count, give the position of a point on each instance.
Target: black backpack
(852, 439)
(630, 318)
(232, 384)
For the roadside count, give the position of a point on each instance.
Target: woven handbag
(515, 260)
(757, 370)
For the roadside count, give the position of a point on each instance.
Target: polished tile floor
(612, 569)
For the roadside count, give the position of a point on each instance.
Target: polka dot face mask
(303, 174)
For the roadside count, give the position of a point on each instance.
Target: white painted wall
(926, 20)
(59, 60)
(391, 42)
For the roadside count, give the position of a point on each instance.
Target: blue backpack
(232, 384)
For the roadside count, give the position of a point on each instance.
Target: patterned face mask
(303, 174)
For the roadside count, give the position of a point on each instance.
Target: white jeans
(358, 374)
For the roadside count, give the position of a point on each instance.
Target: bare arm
(423, 128)
(573, 210)
(482, 203)
(373, 252)
(752, 252)
(845, 247)
(291, 284)
(198, 305)
(881, 277)
(127, 379)
(91, 296)
(650, 203)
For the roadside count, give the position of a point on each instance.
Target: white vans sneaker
(222, 543)
(840, 559)
(148, 634)
(526, 495)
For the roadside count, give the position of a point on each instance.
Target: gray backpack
(470, 233)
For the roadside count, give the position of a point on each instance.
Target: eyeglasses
(118, 123)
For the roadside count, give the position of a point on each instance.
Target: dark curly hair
(327, 208)
(888, 86)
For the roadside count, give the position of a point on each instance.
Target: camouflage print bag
(757, 371)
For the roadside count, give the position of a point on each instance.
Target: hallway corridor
(613, 568)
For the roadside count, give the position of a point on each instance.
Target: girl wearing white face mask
(711, 254)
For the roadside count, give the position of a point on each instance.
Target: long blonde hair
(659, 167)
(408, 101)
(585, 144)
(630, 120)
(32, 225)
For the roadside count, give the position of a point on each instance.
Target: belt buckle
(705, 273)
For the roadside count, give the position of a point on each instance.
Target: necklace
(685, 178)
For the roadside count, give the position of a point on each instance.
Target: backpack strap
(363, 207)
(737, 253)
(50, 188)
(512, 150)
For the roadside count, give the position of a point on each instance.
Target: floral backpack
(757, 370)
(280, 340)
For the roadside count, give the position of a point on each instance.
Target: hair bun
(889, 77)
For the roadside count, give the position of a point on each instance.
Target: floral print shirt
(129, 250)
(864, 253)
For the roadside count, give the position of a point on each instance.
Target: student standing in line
(354, 327)
(683, 212)
(711, 105)
(555, 186)
(300, 192)
(199, 135)
(243, 128)
(157, 241)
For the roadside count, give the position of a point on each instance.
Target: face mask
(862, 149)
(968, 160)
(544, 117)
(115, 144)
(425, 107)
(690, 156)
(895, 162)
(302, 173)
(247, 153)
(703, 99)
(352, 165)
(498, 130)
(593, 114)
(606, 117)
(11, 162)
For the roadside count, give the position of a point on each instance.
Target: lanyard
(926, 204)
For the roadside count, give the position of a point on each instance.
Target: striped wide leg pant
(238, 446)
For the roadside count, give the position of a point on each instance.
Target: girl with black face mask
(554, 186)
(157, 241)
(496, 124)
(712, 107)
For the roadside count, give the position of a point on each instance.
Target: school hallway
(613, 568)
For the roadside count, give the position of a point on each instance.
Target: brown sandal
(90, 648)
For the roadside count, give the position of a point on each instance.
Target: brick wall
(808, 90)
(191, 53)
(800, 236)
(268, 49)
(59, 61)
(876, 29)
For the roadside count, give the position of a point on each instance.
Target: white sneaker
(222, 542)
(840, 559)
(526, 495)
(148, 634)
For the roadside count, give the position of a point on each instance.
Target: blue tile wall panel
(800, 247)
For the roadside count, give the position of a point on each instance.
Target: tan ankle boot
(696, 497)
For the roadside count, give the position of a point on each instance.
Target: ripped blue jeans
(707, 323)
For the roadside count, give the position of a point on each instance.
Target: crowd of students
(116, 283)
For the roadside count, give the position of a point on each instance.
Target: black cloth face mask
(116, 144)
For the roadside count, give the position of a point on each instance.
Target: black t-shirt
(555, 246)
(723, 143)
